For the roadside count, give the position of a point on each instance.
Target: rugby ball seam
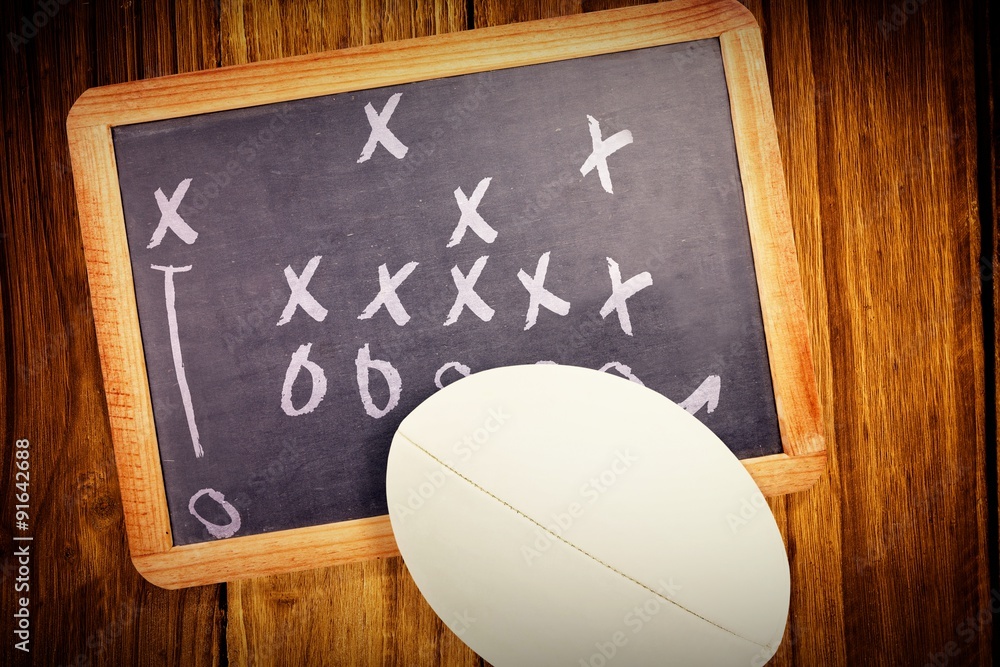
(597, 560)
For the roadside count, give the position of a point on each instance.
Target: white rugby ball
(554, 515)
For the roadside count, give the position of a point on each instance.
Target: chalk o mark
(624, 369)
(300, 360)
(364, 364)
(458, 366)
(217, 531)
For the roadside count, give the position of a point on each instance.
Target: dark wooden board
(870, 586)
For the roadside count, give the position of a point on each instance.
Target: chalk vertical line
(175, 348)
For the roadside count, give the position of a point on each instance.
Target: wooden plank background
(887, 125)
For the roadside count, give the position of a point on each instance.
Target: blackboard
(278, 185)
(285, 259)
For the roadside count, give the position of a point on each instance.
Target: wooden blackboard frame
(109, 269)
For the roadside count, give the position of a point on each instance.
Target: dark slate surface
(276, 185)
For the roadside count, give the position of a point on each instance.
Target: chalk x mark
(602, 149)
(169, 218)
(381, 134)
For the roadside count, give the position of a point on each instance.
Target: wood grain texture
(988, 59)
(88, 603)
(900, 223)
(262, 554)
(880, 197)
(894, 179)
(988, 128)
(887, 551)
(811, 521)
(367, 613)
(123, 365)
